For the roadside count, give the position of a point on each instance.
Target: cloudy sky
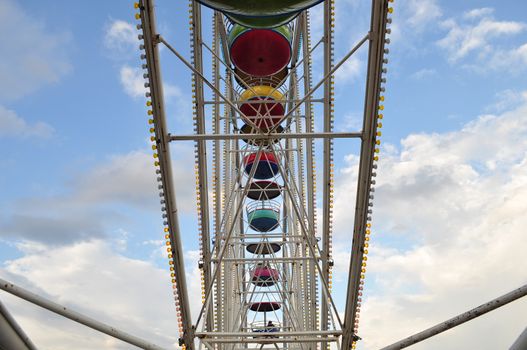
(80, 221)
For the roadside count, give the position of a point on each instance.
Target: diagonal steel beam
(308, 94)
(76, 316)
(373, 87)
(521, 342)
(224, 247)
(165, 169)
(12, 336)
(203, 78)
(460, 319)
(309, 237)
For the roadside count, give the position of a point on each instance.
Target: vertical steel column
(224, 45)
(328, 159)
(373, 82)
(297, 283)
(309, 271)
(217, 114)
(162, 142)
(239, 228)
(218, 190)
(201, 147)
(227, 188)
(287, 202)
(311, 193)
(293, 82)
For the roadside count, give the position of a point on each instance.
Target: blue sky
(80, 220)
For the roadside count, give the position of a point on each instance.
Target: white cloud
(448, 233)
(476, 13)
(193, 281)
(412, 23)
(32, 55)
(422, 12)
(346, 32)
(98, 197)
(54, 221)
(316, 20)
(173, 91)
(507, 99)
(350, 70)
(90, 277)
(130, 178)
(11, 125)
(120, 39)
(423, 73)
(514, 60)
(469, 37)
(121, 42)
(133, 81)
(351, 122)
(398, 34)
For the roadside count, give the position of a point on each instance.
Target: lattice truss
(265, 265)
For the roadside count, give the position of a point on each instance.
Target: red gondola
(264, 276)
(260, 52)
(266, 168)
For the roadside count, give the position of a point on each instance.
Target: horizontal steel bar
(236, 117)
(315, 135)
(271, 340)
(75, 316)
(265, 334)
(278, 259)
(272, 346)
(263, 292)
(261, 101)
(262, 348)
(288, 242)
(249, 237)
(459, 319)
(281, 150)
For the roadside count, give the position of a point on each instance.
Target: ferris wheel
(266, 268)
(263, 134)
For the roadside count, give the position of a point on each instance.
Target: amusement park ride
(266, 275)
